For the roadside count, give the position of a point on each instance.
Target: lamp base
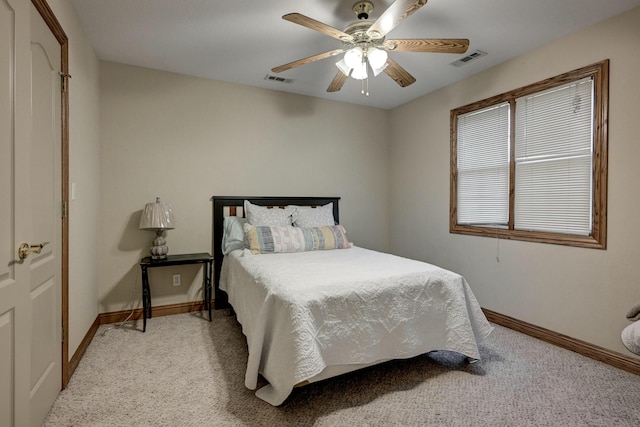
(159, 250)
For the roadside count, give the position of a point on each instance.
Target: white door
(30, 199)
(15, 307)
(45, 206)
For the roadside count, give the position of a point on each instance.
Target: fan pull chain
(362, 83)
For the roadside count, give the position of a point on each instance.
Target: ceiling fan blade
(337, 82)
(307, 60)
(393, 16)
(398, 74)
(428, 45)
(311, 23)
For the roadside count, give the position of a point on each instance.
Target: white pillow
(320, 216)
(269, 217)
(233, 236)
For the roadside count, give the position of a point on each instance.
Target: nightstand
(183, 259)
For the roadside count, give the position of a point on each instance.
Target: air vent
(471, 57)
(278, 79)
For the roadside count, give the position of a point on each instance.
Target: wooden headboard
(227, 206)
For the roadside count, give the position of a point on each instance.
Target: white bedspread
(302, 312)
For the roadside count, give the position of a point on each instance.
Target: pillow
(295, 239)
(233, 236)
(274, 217)
(306, 216)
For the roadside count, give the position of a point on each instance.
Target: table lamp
(158, 217)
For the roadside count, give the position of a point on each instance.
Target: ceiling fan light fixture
(353, 57)
(342, 66)
(360, 71)
(365, 46)
(377, 58)
(377, 71)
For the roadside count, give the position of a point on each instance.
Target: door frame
(56, 28)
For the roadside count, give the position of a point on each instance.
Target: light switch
(74, 191)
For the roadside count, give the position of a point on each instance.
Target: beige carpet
(185, 371)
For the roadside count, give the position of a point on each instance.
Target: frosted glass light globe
(377, 58)
(360, 71)
(353, 57)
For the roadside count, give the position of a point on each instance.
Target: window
(531, 164)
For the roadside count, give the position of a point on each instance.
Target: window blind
(553, 153)
(483, 166)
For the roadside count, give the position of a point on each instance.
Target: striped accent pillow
(264, 239)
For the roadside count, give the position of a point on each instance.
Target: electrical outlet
(176, 280)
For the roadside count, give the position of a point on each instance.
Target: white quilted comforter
(302, 312)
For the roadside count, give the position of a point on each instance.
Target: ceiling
(239, 41)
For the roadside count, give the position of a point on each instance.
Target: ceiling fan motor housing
(360, 36)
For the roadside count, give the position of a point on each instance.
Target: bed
(310, 315)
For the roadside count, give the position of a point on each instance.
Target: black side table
(147, 262)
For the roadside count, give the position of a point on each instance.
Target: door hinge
(64, 78)
(64, 209)
(64, 333)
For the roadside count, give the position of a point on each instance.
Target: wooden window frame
(598, 237)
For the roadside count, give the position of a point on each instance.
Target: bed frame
(233, 206)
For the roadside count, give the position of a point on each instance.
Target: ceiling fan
(365, 45)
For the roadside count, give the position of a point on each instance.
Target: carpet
(186, 371)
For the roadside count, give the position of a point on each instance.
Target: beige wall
(84, 212)
(186, 139)
(583, 293)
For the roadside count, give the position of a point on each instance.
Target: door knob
(25, 249)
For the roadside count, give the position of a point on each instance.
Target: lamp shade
(360, 71)
(157, 216)
(353, 57)
(342, 66)
(377, 58)
(377, 71)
